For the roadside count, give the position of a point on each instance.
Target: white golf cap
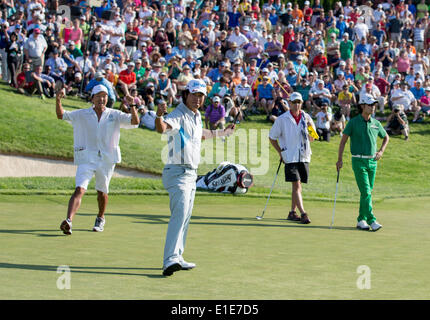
(216, 99)
(296, 96)
(99, 88)
(367, 100)
(197, 85)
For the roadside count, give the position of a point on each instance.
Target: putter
(335, 196)
(271, 189)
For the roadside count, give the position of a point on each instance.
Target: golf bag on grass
(226, 178)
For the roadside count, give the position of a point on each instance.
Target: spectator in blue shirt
(363, 47)
(216, 74)
(379, 34)
(100, 79)
(296, 48)
(417, 90)
(265, 95)
(341, 26)
(233, 18)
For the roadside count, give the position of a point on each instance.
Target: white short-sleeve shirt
(293, 138)
(94, 139)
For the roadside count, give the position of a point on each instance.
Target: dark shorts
(297, 171)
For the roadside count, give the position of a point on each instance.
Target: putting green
(237, 256)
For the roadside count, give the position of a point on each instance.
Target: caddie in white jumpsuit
(185, 132)
(96, 133)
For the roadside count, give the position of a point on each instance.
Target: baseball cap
(296, 96)
(367, 100)
(99, 88)
(216, 99)
(36, 30)
(98, 74)
(197, 85)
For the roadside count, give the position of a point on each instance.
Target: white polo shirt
(93, 139)
(293, 138)
(184, 139)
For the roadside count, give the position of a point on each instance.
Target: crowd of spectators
(251, 54)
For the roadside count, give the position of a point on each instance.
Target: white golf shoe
(362, 225)
(66, 226)
(99, 224)
(375, 226)
(187, 265)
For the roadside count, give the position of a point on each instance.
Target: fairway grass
(237, 256)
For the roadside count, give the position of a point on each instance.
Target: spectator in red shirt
(127, 79)
(307, 12)
(383, 86)
(289, 36)
(320, 62)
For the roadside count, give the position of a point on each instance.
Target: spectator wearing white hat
(96, 146)
(127, 79)
(407, 99)
(273, 47)
(361, 30)
(215, 114)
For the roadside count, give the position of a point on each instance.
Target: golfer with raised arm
(364, 130)
(184, 129)
(96, 133)
(290, 137)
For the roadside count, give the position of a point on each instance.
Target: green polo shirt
(140, 73)
(346, 49)
(363, 135)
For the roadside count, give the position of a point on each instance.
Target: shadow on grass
(49, 233)
(221, 221)
(78, 269)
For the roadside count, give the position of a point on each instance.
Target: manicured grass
(237, 256)
(29, 126)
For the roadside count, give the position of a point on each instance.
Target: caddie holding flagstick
(96, 133)
(290, 135)
(364, 130)
(184, 129)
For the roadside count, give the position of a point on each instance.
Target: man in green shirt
(422, 9)
(346, 47)
(363, 130)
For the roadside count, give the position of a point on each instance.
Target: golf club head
(258, 217)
